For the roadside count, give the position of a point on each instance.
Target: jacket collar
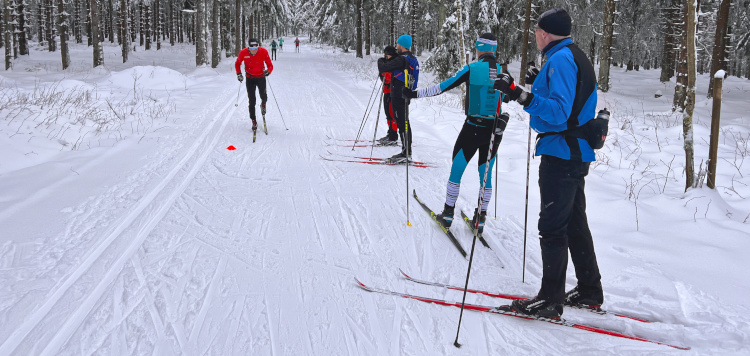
(555, 46)
(486, 56)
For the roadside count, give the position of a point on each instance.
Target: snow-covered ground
(128, 227)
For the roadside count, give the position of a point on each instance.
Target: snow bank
(149, 78)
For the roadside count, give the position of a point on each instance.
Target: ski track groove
(270, 325)
(64, 333)
(207, 299)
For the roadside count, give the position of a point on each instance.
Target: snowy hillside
(128, 227)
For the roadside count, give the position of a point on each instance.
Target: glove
(505, 83)
(531, 73)
(501, 123)
(239, 77)
(266, 72)
(408, 93)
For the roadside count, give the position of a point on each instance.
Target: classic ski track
(75, 319)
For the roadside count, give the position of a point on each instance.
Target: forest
(627, 33)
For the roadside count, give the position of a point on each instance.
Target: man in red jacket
(254, 58)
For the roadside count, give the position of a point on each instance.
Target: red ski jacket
(253, 64)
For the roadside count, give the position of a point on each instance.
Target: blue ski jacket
(564, 98)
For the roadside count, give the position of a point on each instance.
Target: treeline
(220, 25)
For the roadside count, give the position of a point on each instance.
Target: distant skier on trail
(257, 67)
(273, 49)
(296, 44)
(482, 108)
(281, 43)
(391, 138)
(396, 67)
(561, 105)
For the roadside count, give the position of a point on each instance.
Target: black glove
(502, 122)
(266, 72)
(505, 83)
(239, 77)
(531, 73)
(408, 93)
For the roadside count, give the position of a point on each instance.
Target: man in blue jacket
(562, 99)
(482, 109)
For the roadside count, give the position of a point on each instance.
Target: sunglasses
(253, 46)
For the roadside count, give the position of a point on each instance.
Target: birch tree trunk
(687, 120)
(681, 69)
(62, 18)
(718, 59)
(606, 51)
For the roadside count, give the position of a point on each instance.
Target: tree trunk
(718, 59)
(413, 32)
(158, 30)
(682, 68)
(368, 37)
(111, 22)
(358, 26)
(671, 40)
(96, 39)
(201, 55)
(124, 32)
(392, 28)
(525, 44)
(606, 51)
(687, 122)
(215, 44)
(146, 19)
(237, 27)
(63, 23)
(23, 46)
(51, 33)
(7, 31)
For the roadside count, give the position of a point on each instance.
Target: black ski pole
(476, 226)
(377, 120)
(526, 214)
(406, 141)
(277, 103)
(368, 111)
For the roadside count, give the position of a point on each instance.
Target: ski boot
(255, 125)
(446, 217)
(537, 307)
(579, 298)
(263, 108)
(482, 218)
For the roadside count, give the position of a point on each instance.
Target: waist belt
(479, 121)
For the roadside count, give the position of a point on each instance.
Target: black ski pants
(273, 53)
(563, 227)
(251, 84)
(390, 117)
(400, 106)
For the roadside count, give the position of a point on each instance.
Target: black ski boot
(482, 218)
(537, 307)
(255, 125)
(446, 217)
(263, 108)
(579, 297)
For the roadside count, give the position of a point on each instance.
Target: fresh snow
(128, 227)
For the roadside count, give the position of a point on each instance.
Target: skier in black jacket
(396, 66)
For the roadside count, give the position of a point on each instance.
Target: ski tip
(362, 285)
(408, 223)
(403, 273)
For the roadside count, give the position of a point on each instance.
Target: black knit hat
(556, 22)
(253, 40)
(390, 51)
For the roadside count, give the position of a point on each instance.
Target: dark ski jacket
(396, 66)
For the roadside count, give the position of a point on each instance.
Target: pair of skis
(505, 310)
(373, 160)
(447, 232)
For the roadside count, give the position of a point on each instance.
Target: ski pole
(368, 110)
(377, 119)
(526, 214)
(277, 103)
(237, 102)
(407, 143)
(477, 216)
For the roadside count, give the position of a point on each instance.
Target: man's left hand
(266, 72)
